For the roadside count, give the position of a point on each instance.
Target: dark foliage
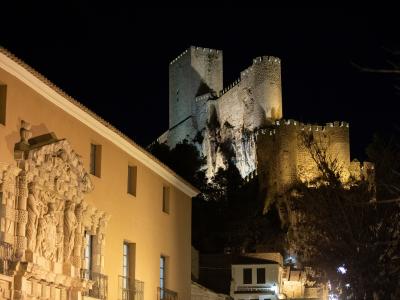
(228, 211)
(351, 226)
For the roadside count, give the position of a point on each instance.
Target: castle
(247, 119)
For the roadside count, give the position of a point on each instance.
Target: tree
(228, 212)
(347, 231)
(184, 159)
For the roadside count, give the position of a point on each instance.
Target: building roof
(246, 260)
(16, 67)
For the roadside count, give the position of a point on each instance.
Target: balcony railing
(165, 294)
(130, 289)
(100, 286)
(6, 254)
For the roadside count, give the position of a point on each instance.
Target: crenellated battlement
(179, 56)
(266, 58)
(301, 126)
(202, 49)
(312, 127)
(229, 87)
(247, 71)
(196, 49)
(269, 59)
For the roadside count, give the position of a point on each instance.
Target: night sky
(115, 59)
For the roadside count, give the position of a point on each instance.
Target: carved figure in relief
(34, 207)
(70, 224)
(49, 244)
(47, 233)
(41, 231)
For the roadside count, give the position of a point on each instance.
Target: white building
(256, 279)
(262, 276)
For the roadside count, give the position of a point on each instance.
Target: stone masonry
(242, 123)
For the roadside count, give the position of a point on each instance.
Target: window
(132, 174)
(162, 275)
(125, 271)
(247, 278)
(260, 275)
(125, 260)
(3, 94)
(165, 199)
(127, 281)
(95, 160)
(88, 251)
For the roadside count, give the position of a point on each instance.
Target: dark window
(88, 251)
(95, 160)
(260, 275)
(247, 276)
(132, 174)
(3, 94)
(162, 275)
(125, 267)
(165, 204)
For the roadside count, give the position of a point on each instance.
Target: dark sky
(115, 59)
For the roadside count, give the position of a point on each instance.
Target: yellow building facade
(85, 212)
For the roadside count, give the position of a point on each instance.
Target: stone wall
(283, 158)
(195, 72)
(243, 123)
(197, 99)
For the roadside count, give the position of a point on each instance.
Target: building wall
(200, 292)
(137, 219)
(273, 275)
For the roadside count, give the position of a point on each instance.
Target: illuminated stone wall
(283, 158)
(195, 72)
(204, 112)
(242, 122)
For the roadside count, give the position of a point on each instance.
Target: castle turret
(195, 72)
(264, 80)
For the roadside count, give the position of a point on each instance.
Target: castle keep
(246, 117)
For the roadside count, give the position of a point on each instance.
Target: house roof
(246, 260)
(57, 96)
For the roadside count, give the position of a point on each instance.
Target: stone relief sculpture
(48, 246)
(70, 224)
(34, 207)
(44, 214)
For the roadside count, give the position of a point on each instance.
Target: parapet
(202, 49)
(301, 126)
(270, 59)
(193, 48)
(178, 57)
(229, 87)
(266, 59)
(337, 124)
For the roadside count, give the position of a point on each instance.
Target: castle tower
(264, 80)
(195, 72)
